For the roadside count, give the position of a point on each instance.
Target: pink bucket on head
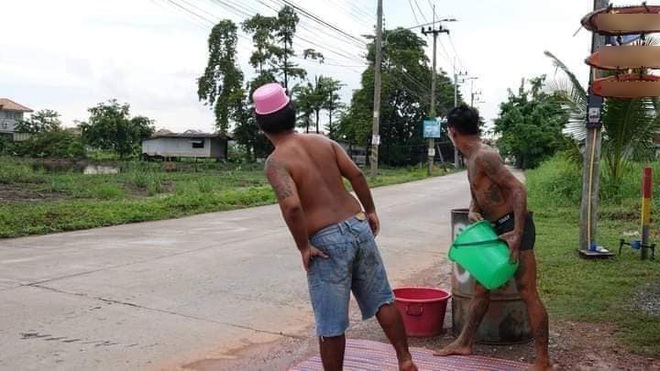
(269, 98)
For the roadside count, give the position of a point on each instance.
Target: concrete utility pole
(456, 82)
(435, 31)
(473, 94)
(591, 168)
(375, 138)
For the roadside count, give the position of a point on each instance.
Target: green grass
(141, 192)
(591, 291)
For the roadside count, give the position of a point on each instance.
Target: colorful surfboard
(625, 57)
(629, 86)
(627, 20)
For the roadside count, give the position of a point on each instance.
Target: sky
(69, 55)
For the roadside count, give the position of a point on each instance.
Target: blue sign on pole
(431, 128)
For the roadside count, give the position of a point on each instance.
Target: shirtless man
(334, 235)
(499, 197)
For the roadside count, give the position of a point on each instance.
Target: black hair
(278, 122)
(464, 119)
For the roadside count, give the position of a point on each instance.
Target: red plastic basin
(422, 309)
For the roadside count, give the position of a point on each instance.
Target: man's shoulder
(317, 138)
(274, 158)
(488, 159)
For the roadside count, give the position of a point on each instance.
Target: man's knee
(480, 293)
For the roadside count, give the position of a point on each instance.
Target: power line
(317, 19)
(179, 7)
(451, 42)
(208, 23)
(446, 56)
(300, 37)
(354, 10)
(413, 11)
(202, 21)
(314, 30)
(420, 11)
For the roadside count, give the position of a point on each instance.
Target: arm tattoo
(279, 179)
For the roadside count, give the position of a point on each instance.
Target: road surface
(160, 294)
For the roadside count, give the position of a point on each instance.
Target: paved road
(156, 295)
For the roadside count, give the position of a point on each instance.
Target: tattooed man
(500, 198)
(332, 230)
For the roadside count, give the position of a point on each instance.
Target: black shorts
(507, 224)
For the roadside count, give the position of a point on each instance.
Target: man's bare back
(307, 172)
(491, 200)
(317, 166)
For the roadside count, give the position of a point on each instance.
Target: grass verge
(37, 201)
(592, 291)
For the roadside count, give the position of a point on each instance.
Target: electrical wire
(413, 11)
(420, 11)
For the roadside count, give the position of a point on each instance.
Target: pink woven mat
(371, 355)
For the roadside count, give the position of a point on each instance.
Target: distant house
(167, 145)
(11, 113)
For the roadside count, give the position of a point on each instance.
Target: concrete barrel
(506, 321)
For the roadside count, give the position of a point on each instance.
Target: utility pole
(591, 168)
(375, 138)
(472, 92)
(435, 31)
(456, 82)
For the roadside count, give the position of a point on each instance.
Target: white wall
(174, 147)
(8, 120)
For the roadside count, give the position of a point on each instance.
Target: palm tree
(314, 97)
(629, 125)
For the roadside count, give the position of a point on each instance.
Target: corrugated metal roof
(165, 134)
(9, 105)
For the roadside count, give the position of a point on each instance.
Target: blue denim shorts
(354, 264)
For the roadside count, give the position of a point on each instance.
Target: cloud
(71, 55)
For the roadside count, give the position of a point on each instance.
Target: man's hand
(374, 223)
(513, 240)
(474, 217)
(310, 253)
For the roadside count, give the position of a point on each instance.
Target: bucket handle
(419, 312)
(473, 244)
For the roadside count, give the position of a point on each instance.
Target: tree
(273, 41)
(287, 21)
(263, 30)
(530, 124)
(39, 122)
(61, 143)
(333, 104)
(405, 94)
(110, 127)
(221, 84)
(314, 97)
(630, 126)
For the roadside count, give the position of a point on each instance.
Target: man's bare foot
(542, 366)
(408, 365)
(454, 349)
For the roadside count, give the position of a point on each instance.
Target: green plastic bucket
(479, 251)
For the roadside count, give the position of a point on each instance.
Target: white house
(166, 145)
(11, 113)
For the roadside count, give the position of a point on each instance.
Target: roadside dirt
(23, 192)
(573, 346)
